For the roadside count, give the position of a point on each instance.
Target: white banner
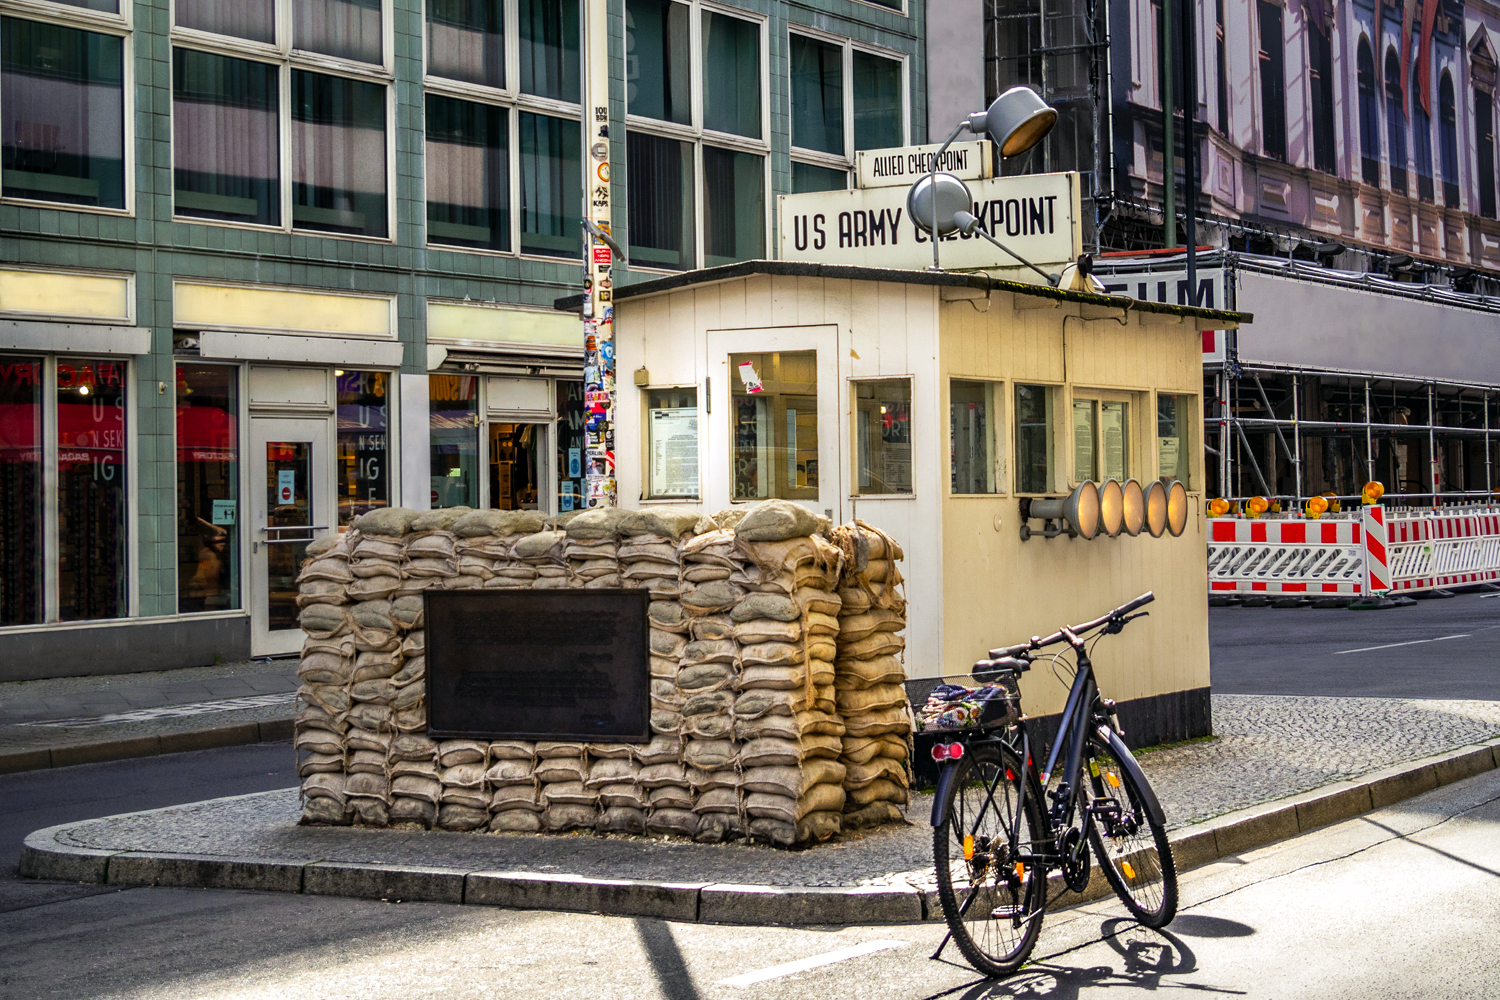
(1036, 215)
(969, 161)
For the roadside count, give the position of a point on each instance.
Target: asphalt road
(1448, 649)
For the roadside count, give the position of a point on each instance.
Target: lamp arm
(1050, 279)
(932, 187)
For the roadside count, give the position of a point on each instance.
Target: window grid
(845, 161)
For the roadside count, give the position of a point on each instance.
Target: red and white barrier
(1374, 551)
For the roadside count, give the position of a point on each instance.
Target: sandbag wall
(774, 654)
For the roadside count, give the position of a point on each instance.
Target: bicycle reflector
(1156, 508)
(947, 751)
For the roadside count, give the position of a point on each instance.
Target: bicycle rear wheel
(1132, 848)
(993, 899)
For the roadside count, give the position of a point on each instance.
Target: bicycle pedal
(1007, 912)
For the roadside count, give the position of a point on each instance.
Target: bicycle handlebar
(1041, 642)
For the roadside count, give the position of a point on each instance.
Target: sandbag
(775, 520)
(670, 522)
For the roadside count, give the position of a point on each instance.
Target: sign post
(598, 267)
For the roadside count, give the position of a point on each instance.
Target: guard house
(935, 405)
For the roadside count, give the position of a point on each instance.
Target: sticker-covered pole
(598, 267)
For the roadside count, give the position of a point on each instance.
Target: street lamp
(1016, 121)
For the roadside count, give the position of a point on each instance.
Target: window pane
(817, 95)
(288, 505)
(571, 415)
(549, 49)
(453, 402)
(63, 128)
(466, 40)
(672, 436)
(972, 437)
(731, 75)
(734, 208)
(91, 490)
(1033, 439)
(775, 400)
(551, 186)
(807, 178)
(656, 60)
(225, 139)
(660, 189)
(877, 102)
(1114, 440)
(515, 466)
(1173, 417)
(1085, 433)
(882, 427)
(252, 19)
(109, 6)
(349, 29)
(363, 481)
(208, 479)
(468, 174)
(21, 480)
(338, 155)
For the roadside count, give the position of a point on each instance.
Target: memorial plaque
(538, 665)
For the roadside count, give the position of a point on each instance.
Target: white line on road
(802, 965)
(1393, 645)
(172, 711)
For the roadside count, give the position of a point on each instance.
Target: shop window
(21, 480)
(1174, 422)
(453, 442)
(225, 138)
(1034, 438)
(338, 155)
(774, 423)
(571, 417)
(253, 20)
(551, 188)
(817, 95)
(731, 76)
(877, 101)
(93, 572)
(672, 444)
(208, 473)
(734, 206)
(882, 436)
(466, 41)
(808, 178)
(660, 183)
(515, 466)
(346, 29)
(1101, 439)
(971, 426)
(364, 413)
(657, 60)
(63, 134)
(468, 174)
(549, 49)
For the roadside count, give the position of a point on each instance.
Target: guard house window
(844, 98)
(1320, 73)
(1033, 418)
(62, 129)
(208, 474)
(882, 436)
(1174, 422)
(1101, 439)
(971, 437)
(1448, 139)
(92, 568)
(453, 417)
(1395, 120)
(364, 413)
(774, 424)
(21, 581)
(1421, 128)
(1484, 141)
(226, 138)
(672, 444)
(1369, 116)
(1272, 60)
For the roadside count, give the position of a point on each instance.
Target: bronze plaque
(538, 665)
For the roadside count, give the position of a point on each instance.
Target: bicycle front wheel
(1132, 848)
(993, 897)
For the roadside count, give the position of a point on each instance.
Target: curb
(1234, 833)
(238, 734)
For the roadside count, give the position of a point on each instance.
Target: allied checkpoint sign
(1036, 215)
(968, 161)
(569, 665)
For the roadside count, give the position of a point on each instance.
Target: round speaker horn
(1177, 511)
(1156, 508)
(1111, 507)
(1135, 507)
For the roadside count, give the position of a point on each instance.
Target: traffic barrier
(1374, 551)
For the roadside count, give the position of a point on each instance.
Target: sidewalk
(79, 720)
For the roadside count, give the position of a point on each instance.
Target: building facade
(269, 264)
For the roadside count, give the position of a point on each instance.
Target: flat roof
(952, 279)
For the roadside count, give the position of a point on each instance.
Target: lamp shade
(1177, 511)
(1156, 508)
(1111, 507)
(1135, 507)
(1018, 119)
(1080, 509)
(937, 214)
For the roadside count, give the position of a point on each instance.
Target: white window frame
(514, 101)
(695, 133)
(833, 161)
(287, 59)
(1099, 397)
(120, 25)
(997, 391)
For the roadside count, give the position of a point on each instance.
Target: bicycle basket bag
(954, 706)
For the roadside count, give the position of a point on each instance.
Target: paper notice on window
(674, 452)
(1167, 449)
(748, 378)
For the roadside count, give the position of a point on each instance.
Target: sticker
(603, 172)
(601, 255)
(286, 486)
(224, 511)
(601, 113)
(565, 497)
(600, 151)
(575, 462)
(749, 378)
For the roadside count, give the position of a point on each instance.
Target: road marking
(1393, 645)
(172, 711)
(802, 965)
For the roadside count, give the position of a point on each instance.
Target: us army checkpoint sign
(1036, 215)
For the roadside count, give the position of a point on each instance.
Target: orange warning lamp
(1218, 507)
(1256, 506)
(1372, 492)
(1317, 507)
(1334, 506)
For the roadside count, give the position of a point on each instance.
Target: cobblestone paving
(1268, 747)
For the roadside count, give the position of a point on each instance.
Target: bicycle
(995, 838)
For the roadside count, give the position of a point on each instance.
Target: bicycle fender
(1128, 762)
(945, 778)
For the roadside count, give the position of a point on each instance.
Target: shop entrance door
(291, 505)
